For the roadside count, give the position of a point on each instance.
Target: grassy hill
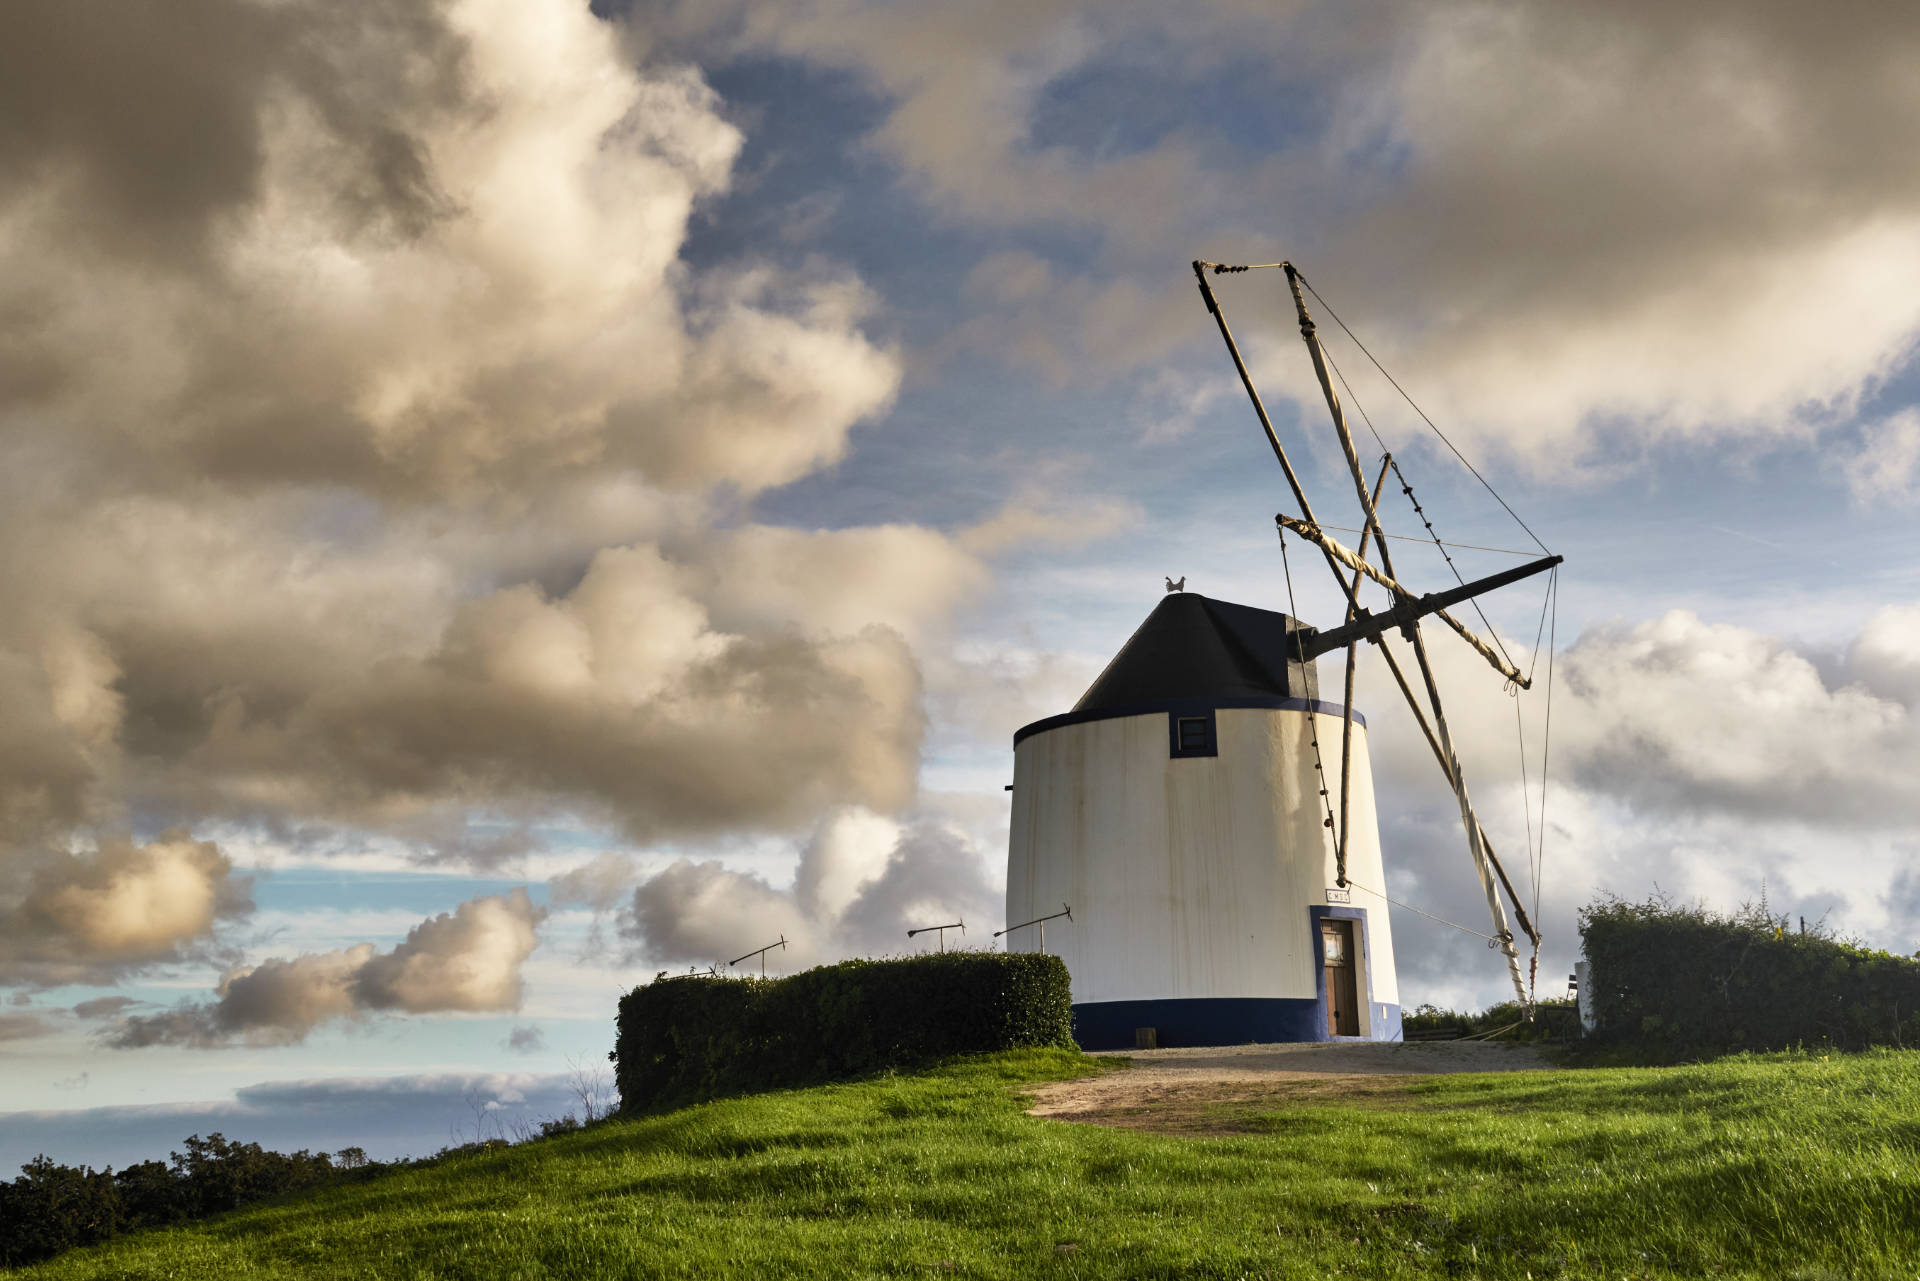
(1778, 1166)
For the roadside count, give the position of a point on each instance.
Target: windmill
(1189, 810)
(1351, 569)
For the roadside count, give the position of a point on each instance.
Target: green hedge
(683, 1039)
(1690, 980)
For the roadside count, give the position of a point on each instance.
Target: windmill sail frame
(1349, 568)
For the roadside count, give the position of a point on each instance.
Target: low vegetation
(681, 1040)
(51, 1208)
(1798, 1165)
(1685, 981)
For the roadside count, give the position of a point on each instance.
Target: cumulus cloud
(1885, 657)
(600, 883)
(467, 960)
(862, 880)
(705, 913)
(1692, 758)
(1678, 711)
(373, 459)
(1678, 715)
(422, 244)
(86, 916)
(1562, 226)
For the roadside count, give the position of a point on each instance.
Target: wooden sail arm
(1407, 606)
(1341, 552)
(1350, 588)
(1411, 629)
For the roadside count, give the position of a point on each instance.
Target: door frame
(1363, 976)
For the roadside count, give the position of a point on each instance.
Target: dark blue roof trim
(1181, 707)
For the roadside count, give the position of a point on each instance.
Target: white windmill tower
(1192, 816)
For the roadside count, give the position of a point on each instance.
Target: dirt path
(1191, 1091)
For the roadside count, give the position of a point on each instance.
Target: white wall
(1191, 876)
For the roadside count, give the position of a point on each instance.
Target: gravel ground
(1180, 1091)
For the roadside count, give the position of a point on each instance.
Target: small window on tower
(1191, 735)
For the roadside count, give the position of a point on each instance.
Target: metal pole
(762, 954)
(956, 925)
(1065, 910)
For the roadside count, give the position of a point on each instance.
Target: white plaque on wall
(1339, 896)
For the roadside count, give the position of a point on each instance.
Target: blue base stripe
(1109, 1025)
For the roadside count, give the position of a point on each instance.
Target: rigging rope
(1520, 735)
(1539, 628)
(1546, 733)
(1423, 413)
(1526, 791)
(1406, 488)
(1409, 538)
(1490, 1034)
(1536, 857)
(1464, 929)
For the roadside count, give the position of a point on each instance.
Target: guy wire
(1423, 413)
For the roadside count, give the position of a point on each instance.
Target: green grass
(1773, 1166)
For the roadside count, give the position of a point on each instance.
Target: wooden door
(1343, 1000)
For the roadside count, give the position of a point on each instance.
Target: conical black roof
(1195, 647)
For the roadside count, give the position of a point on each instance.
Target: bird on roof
(1180, 586)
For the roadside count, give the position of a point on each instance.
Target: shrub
(51, 1207)
(217, 1174)
(151, 1195)
(698, 1037)
(1689, 980)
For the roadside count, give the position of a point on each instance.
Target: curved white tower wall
(1189, 837)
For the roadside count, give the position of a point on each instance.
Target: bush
(53, 1207)
(219, 1174)
(151, 1196)
(1688, 980)
(50, 1207)
(685, 1039)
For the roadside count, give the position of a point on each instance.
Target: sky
(499, 500)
